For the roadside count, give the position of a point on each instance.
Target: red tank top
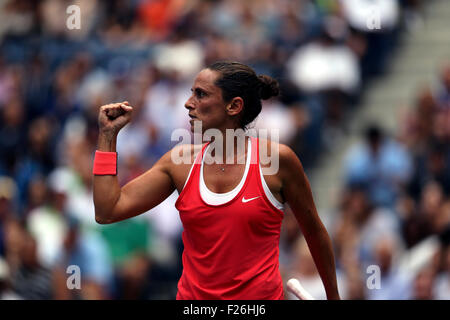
(230, 250)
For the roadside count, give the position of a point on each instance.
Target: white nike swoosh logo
(247, 200)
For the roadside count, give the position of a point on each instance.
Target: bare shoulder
(268, 147)
(287, 154)
(272, 154)
(179, 161)
(184, 153)
(272, 149)
(177, 157)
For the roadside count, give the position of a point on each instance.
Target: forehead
(206, 79)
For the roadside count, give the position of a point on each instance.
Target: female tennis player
(231, 212)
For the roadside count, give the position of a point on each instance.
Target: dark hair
(373, 133)
(239, 80)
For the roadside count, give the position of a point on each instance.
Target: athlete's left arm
(296, 191)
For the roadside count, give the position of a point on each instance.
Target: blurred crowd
(53, 80)
(393, 218)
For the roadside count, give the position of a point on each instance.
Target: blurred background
(365, 104)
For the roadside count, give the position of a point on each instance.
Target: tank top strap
(254, 160)
(199, 157)
(194, 168)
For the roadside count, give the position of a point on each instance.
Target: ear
(235, 106)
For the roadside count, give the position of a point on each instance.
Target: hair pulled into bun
(239, 80)
(269, 87)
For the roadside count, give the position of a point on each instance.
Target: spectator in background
(88, 251)
(160, 16)
(167, 95)
(376, 21)
(17, 18)
(75, 179)
(360, 225)
(289, 236)
(37, 194)
(166, 245)
(415, 227)
(417, 126)
(325, 63)
(6, 292)
(442, 285)
(138, 140)
(380, 164)
(434, 207)
(31, 280)
(47, 224)
(8, 191)
(12, 134)
(284, 120)
(53, 21)
(37, 87)
(355, 285)
(179, 57)
(39, 156)
(423, 285)
(303, 268)
(394, 284)
(327, 70)
(128, 245)
(64, 89)
(431, 165)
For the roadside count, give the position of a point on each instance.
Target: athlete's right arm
(113, 203)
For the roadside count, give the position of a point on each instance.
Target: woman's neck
(228, 150)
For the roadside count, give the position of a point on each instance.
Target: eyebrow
(201, 88)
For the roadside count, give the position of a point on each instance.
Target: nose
(188, 104)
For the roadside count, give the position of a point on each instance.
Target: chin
(192, 122)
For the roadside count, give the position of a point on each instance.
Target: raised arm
(113, 203)
(297, 192)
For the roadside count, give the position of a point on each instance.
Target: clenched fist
(113, 117)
